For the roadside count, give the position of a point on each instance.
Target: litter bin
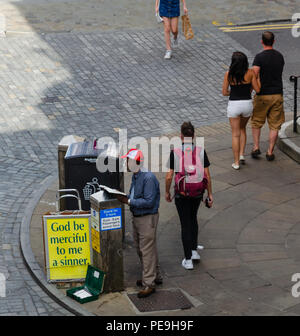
(107, 235)
(81, 173)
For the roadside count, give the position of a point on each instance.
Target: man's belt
(147, 214)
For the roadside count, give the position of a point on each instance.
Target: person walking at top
(268, 104)
(241, 81)
(169, 10)
(186, 163)
(144, 199)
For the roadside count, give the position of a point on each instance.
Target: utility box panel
(81, 173)
(107, 236)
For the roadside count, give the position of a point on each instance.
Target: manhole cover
(161, 300)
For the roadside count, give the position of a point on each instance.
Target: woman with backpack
(190, 165)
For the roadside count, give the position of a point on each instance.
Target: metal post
(294, 79)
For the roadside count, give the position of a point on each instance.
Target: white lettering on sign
(296, 27)
(111, 219)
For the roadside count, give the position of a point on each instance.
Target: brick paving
(88, 84)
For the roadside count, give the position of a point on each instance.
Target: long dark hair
(238, 68)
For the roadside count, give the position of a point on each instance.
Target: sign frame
(46, 245)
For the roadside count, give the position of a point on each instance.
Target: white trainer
(242, 159)
(235, 166)
(200, 247)
(187, 264)
(168, 54)
(195, 255)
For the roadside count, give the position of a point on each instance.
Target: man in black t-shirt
(268, 104)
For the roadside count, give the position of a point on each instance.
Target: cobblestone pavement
(88, 15)
(88, 84)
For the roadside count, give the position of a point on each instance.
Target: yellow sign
(68, 249)
(95, 227)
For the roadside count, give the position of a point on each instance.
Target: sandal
(270, 157)
(255, 153)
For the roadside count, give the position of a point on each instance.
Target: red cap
(134, 154)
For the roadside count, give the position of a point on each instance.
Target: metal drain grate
(161, 300)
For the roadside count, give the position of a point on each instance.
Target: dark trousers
(187, 210)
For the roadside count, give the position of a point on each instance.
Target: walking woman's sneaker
(242, 159)
(168, 54)
(235, 166)
(187, 264)
(195, 255)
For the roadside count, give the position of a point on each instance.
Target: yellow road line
(258, 26)
(254, 29)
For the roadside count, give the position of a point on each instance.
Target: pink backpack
(191, 179)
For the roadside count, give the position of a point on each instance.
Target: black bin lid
(82, 149)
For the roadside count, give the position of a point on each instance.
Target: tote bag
(187, 27)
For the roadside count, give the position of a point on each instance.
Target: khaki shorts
(268, 107)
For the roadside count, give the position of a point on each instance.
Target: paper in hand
(112, 191)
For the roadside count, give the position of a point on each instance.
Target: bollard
(107, 236)
(294, 79)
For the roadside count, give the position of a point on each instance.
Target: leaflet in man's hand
(112, 191)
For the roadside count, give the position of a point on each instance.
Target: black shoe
(139, 283)
(255, 153)
(158, 282)
(270, 157)
(147, 291)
